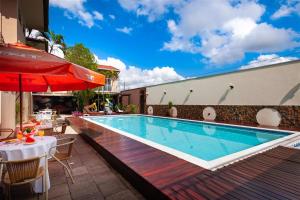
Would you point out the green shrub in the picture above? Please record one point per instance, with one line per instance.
(132, 108)
(120, 106)
(170, 104)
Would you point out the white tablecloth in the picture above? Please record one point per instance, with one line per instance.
(23, 151)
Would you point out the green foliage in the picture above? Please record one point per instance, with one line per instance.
(109, 74)
(132, 108)
(170, 104)
(56, 39)
(81, 55)
(83, 98)
(28, 130)
(120, 106)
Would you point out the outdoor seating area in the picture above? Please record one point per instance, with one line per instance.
(93, 179)
(25, 154)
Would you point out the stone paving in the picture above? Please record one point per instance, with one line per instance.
(94, 179)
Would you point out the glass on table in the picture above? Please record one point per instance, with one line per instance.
(41, 133)
(20, 135)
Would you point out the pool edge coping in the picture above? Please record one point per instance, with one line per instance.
(210, 165)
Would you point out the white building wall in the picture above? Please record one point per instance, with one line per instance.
(12, 32)
(115, 86)
(274, 85)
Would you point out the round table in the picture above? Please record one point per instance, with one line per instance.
(21, 151)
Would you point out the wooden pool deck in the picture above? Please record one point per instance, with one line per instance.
(274, 174)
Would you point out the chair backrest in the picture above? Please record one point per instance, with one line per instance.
(71, 143)
(65, 147)
(63, 128)
(22, 170)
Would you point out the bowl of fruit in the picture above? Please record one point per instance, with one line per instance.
(29, 133)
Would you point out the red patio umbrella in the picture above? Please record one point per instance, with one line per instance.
(26, 69)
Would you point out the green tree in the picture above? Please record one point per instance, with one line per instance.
(81, 55)
(56, 39)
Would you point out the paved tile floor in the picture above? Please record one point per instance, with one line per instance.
(94, 179)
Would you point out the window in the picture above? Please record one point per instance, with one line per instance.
(108, 84)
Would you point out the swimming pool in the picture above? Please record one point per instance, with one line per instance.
(208, 145)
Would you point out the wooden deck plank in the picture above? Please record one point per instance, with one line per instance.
(268, 163)
(266, 184)
(273, 175)
(237, 186)
(281, 181)
(250, 186)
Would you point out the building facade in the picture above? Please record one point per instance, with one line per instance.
(16, 17)
(236, 97)
(134, 96)
(111, 81)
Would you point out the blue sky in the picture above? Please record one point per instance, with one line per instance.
(175, 39)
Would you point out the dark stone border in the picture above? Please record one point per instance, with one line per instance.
(233, 114)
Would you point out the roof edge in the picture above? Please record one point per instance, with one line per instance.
(229, 72)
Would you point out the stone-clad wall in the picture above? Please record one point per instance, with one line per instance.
(234, 114)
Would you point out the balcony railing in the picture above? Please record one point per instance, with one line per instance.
(107, 88)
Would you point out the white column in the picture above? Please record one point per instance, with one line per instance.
(8, 110)
(26, 102)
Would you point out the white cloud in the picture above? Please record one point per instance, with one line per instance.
(110, 61)
(68, 15)
(153, 9)
(285, 10)
(112, 17)
(267, 59)
(136, 77)
(126, 30)
(98, 16)
(74, 9)
(224, 30)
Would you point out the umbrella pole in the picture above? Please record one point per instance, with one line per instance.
(21, 101)
(98, 99)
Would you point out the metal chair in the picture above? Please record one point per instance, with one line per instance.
(63, 152)
(62, 131)
(22, 172)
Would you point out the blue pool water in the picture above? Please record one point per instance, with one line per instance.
(202, 140)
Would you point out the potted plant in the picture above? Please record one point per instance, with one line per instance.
(172, 111)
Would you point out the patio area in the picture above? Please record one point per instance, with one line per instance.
(94, 178)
